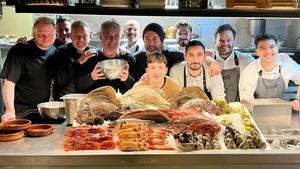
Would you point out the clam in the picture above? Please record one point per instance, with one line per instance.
(230, 144)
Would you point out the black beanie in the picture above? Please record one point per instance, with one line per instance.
(155, 28)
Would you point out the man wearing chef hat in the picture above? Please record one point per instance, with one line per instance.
(268, 76)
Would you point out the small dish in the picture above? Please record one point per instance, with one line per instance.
(39, 130)
(16, 125)
(10, 135)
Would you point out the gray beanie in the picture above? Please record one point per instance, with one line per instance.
(155, 28)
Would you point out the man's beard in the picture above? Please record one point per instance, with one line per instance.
(224, 52)
(156, 49)
(195, 68)
(183, 43)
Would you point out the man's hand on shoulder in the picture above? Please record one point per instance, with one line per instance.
(214, 68)
(22, 40)
(86, 55)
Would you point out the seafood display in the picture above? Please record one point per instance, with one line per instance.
(142, 120)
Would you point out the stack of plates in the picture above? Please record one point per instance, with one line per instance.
(152, 3)
(117, 3)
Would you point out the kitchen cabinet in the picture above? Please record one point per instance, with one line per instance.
(97, 10)
(47, 152)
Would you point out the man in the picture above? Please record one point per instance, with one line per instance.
(132, 32)
(153, 36)
(69, 58)
(183, 35)
(231, 62)
(91, 76)
(63, 28)
(26, 73)
(194, 72)
(268, 76)
(157, 70)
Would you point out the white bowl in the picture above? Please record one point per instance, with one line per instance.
(112, 67)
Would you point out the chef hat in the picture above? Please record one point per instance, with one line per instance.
(157, 29)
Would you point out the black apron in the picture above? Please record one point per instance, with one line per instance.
(204, 82)
(231, 81)
(267, 88)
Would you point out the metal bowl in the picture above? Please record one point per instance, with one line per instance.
(52, 112)
(112, 67)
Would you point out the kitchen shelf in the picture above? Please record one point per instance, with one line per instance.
(97, 10)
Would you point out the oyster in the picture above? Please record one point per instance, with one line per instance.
(230, 144)
(216, 145)
(185, 141)
(199, 144)
(208, 146)
(238, 139)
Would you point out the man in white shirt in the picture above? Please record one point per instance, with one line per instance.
(231, 62)
(132, 32)
(268, 76)
(194, 72)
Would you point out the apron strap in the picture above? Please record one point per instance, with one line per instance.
(184, 76)
(204, 80)
(236, 60)
(137, 48)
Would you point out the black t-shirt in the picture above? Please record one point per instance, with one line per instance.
(27, 66)
(66, 67)
(58, 43)
(84, 82)
(173, 57)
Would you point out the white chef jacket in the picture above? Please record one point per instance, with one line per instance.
(214, 84)
(290, 70)
(244, 60)
(138, 46)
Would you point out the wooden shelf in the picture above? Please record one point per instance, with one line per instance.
(96, 10)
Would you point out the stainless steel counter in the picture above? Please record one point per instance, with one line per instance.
(47, 152)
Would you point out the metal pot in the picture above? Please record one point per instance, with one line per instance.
(72, 102)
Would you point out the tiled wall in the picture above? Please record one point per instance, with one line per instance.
(205, 27)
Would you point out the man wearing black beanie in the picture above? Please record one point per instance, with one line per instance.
(153, 36)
